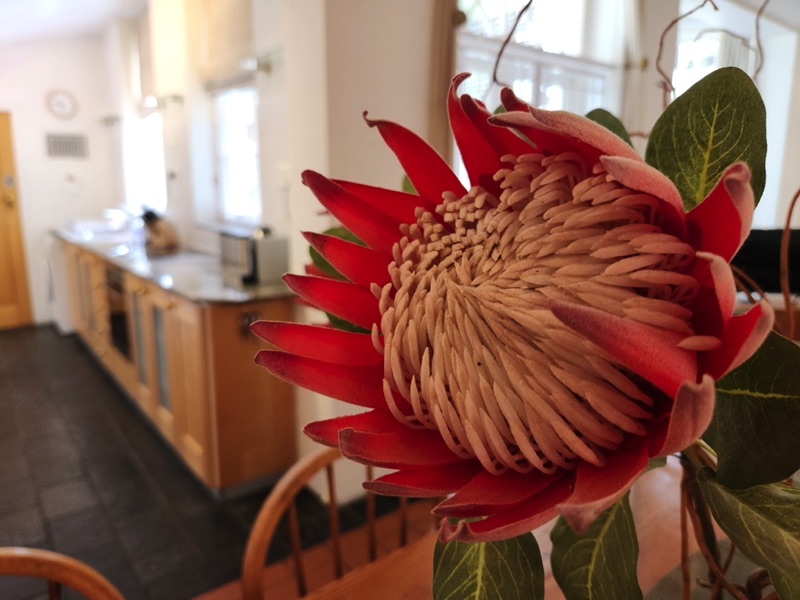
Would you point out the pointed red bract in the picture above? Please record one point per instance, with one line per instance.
(376, 229)
(652, 353)
(374, 421)
(352, 384)
(518, 520)
(742, 336)
(597, 488)
(722, 221)
(351, 302)
(690, 417)
(320, 343)
(429, 173)
(490, 493)
(397, 205)
(432, 482)
(480, 158)
(397, 450)
(360, 265)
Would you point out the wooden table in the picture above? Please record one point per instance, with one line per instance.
(405, 574)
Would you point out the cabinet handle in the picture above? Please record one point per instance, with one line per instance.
(245, 320)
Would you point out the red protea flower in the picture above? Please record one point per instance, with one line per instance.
(536, 339)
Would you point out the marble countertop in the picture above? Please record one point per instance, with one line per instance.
(193, 275)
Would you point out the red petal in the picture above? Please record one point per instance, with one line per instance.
(426, 483)
(597, 488)
(428, 172)
(320, 343)
(511, 103)
(314, 271)
(641, 177)
(351, 302)
(645, 350)
(559, 131)
(503, 140)
(584, 131)
(487, 494)
(375, 421)
(398, 205)
(360, 265)
(405, 449)
(713, 304)
(480, 159)
(741, 338)
(691, 415)
(361, 386)
(721, 222)
(376, 229)
(522, 518)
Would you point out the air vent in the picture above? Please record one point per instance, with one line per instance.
(60, 145)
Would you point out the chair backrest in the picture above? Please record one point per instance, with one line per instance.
(59, 571)
(281, 501)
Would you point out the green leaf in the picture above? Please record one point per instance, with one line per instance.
(756, 424)
(764, 523)
(407, 186)
(601, 562)
(719, 120)
(610, 122)
(511, 570)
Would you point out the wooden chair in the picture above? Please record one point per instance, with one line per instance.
(282, 501)
(59, 571)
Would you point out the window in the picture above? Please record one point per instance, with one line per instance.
(237, 155)
(145, 172)
(549, 61)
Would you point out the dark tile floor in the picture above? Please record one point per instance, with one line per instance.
(81, 472)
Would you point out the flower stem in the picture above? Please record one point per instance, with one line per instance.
(692, 459)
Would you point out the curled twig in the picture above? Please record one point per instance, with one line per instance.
(506, 42)
(712, 563)
(759, 47)
(758, 581)
(785, 282)
(666, 80)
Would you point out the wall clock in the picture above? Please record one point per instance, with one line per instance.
(61, 104)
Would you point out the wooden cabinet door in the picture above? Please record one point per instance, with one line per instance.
(139, 305)
(159, 306)
(72, 260)
(189, 387)
(91, 314)
(178, 377)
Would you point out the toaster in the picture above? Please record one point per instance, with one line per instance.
(253, 256)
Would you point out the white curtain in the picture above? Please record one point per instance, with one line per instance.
(446, 17)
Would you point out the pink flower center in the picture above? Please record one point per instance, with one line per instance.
(470, 343)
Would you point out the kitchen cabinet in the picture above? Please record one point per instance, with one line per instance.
(189, 366)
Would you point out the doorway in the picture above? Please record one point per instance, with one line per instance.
(15, 308)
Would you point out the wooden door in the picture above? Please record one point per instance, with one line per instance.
(15, 308)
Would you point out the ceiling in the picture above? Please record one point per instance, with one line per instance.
(22, 20)
(785, 12)
(31, 19)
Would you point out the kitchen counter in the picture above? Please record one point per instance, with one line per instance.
(176, 337)
(195, 276)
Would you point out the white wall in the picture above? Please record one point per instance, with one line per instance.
(54, 190)
(365, 55)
